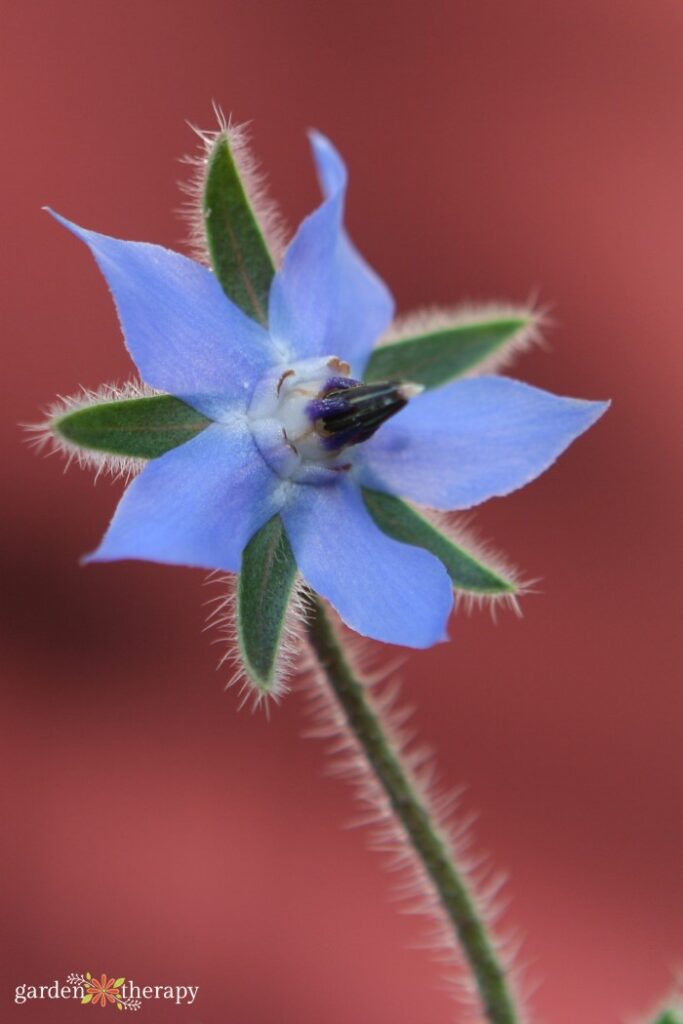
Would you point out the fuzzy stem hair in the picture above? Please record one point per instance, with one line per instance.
(399, 786)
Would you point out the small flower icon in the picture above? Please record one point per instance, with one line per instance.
(106, 990)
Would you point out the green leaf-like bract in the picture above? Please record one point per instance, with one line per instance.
(245, 268)
(265, 586)
(403, 523)
(435, 358)
(139, 428)
(238, 250)
(669, 1017)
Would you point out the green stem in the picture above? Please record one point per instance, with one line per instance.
(421, 831)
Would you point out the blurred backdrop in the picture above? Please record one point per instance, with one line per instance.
(152, 830)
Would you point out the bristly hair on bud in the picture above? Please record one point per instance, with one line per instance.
(266, 210)
(223, 618)
(536, 320)
(45, 436)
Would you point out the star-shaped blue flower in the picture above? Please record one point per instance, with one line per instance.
(293, 432)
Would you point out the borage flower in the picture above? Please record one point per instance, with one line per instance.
(286, 440)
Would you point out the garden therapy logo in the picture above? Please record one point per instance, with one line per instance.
(106, 990)
(122, 993)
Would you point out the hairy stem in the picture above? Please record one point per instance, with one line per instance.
(421, 831)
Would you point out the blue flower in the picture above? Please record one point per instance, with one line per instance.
(295, 432)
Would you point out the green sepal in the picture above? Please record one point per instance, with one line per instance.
(238, 249)
(264, 588)
(669, 1017)
(245, 268)
(435, 358)
(403, 523)
(138, 428)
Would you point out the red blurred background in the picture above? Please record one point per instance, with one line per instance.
(153, 831)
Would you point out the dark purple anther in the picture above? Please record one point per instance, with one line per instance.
(348, 411)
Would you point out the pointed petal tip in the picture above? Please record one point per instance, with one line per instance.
(330, 166)
(320, 141)
(100, 554)
(595, 410)
(75, 229)
(441, 634)
(56, 216)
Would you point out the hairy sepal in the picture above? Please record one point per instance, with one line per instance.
(116, 429)
(243, 249)
(235, 228)
(467, 567)
(239, 254)
(435, 347)
(264, 590)
(131, 428)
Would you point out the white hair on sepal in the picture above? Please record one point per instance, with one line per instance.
(458, 528)
(434, 319)
(414, 888)
(223, 619)
(266, 210)
(45, 438)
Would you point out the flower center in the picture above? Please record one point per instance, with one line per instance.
(306, 418)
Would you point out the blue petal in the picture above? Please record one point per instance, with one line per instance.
(472, 440)
(197, 505)
(383, 589)
(364, 306)
(325, 299)
(184, 334)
